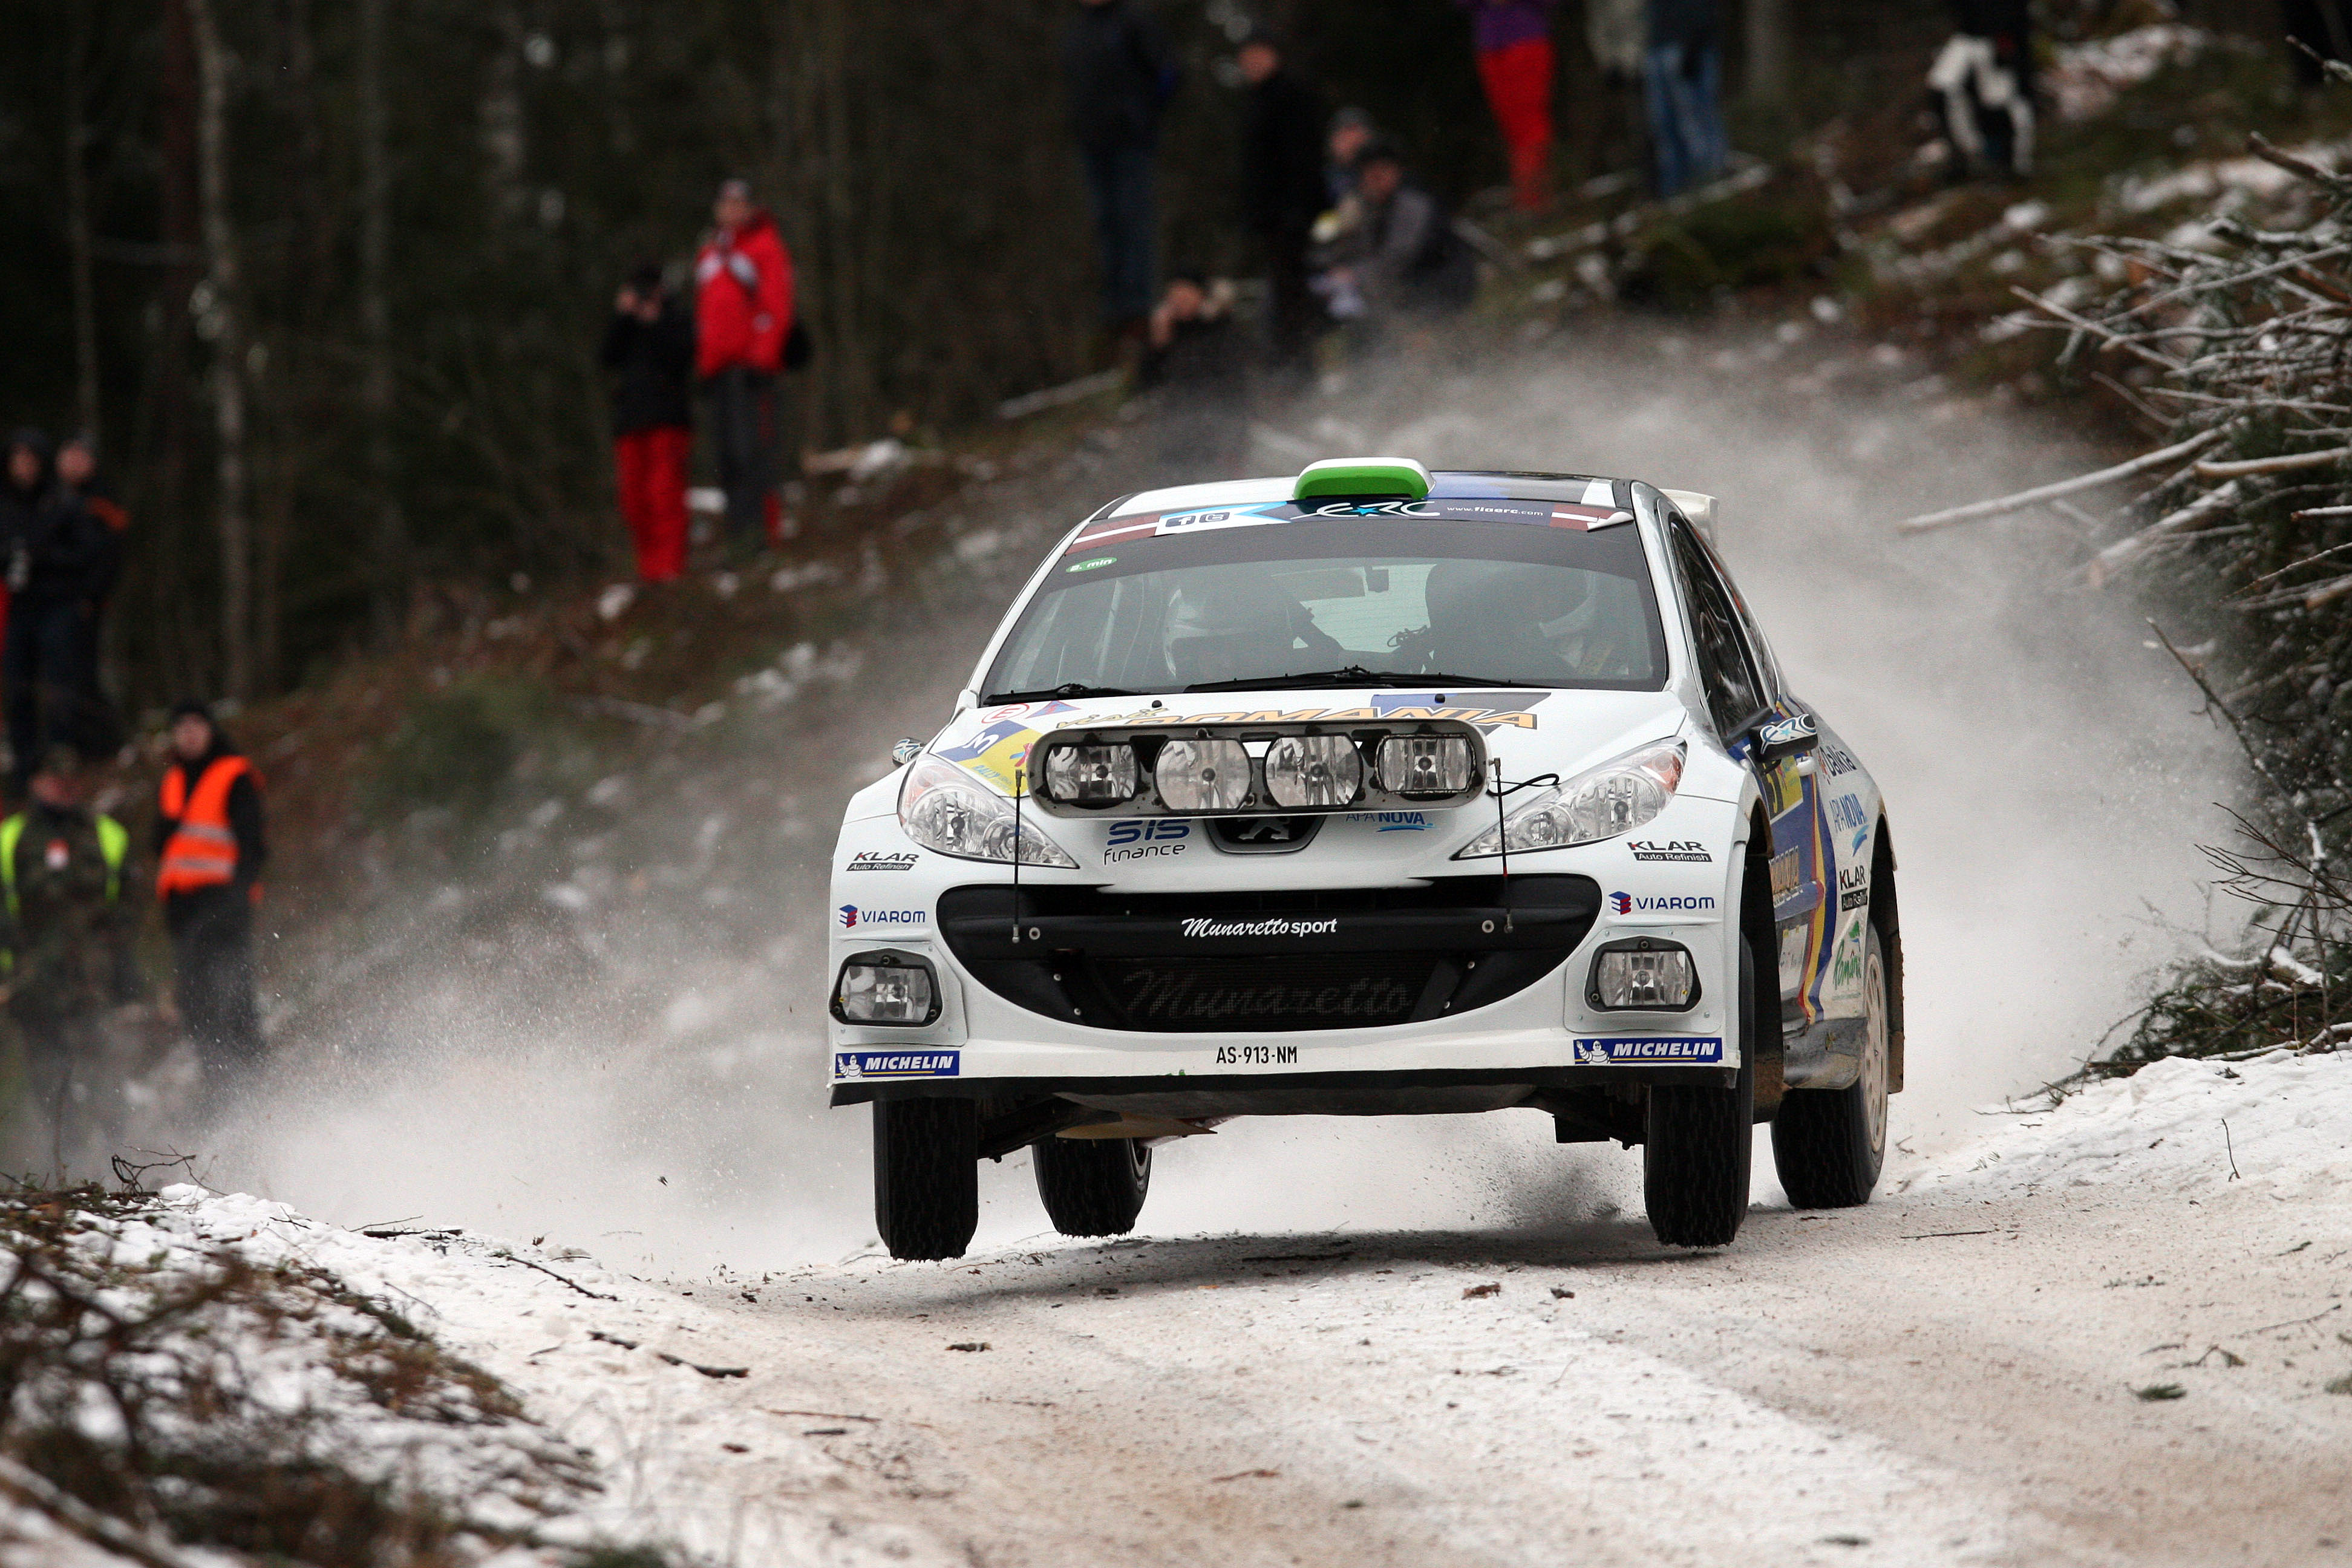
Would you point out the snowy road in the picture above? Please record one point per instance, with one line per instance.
(1946, 1376)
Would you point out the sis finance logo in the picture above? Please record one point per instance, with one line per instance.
(853, 918)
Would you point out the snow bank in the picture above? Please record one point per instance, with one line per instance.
(2086, 79)
(2281, 1123)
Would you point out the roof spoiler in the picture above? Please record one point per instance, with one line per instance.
(1699, 509)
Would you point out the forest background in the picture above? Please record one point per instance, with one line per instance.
(327, 276)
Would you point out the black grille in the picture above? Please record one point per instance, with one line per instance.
(1284, 990)
(1350, 958)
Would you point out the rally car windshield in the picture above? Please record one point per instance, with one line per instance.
(1359, 601)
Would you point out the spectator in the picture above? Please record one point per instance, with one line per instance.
(1983, 81)
(1514, 61)
(68, 942)
(743, 315)
(59, 564)
(209, 851)
(1352, 130)
(1120, 79)
(1194, 363)
(78, 471)
(1403, 259)
(1682, 77)
(649, 344)
(1283, 192)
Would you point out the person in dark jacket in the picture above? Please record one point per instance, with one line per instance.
(1283, 191)
(1195, 366)
(209, 851)
(65, 945)
(1401, 259)
(1120, 79)
(649, 347)
(78, 471)
(59, 563)
(1682, 79)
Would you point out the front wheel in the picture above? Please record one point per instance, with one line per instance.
(926, 1175)
(1831, 1144)
(1697, 1143)
(1093, 1186)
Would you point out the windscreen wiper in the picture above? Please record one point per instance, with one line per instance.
(1357, 674)
(1067, 692)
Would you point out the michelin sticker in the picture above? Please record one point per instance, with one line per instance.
(897, 1064)
(1650, 1051)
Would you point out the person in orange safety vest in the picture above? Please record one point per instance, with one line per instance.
(209, 851)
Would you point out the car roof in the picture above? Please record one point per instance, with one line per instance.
(1445, 484)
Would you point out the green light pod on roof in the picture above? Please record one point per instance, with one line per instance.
(1337, 476)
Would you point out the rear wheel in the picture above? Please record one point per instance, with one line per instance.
(926, 1175)
(1698, 1140)
(1093, 1186)
(1830, 1143)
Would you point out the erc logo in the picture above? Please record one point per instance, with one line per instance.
(852, 917)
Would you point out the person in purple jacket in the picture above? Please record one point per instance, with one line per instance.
(1514, 61)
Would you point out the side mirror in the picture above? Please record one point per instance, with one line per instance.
(906, 750)
(1783, 738)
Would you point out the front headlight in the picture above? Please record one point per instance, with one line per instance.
(945, 809)
(1616, 797)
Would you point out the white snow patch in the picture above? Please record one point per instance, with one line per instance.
(2288, 1121)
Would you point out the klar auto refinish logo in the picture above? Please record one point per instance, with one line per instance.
(852, 917)
(1627, 904)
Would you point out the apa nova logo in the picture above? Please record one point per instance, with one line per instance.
(1673, 903)
(1277, 926)
(852, 917)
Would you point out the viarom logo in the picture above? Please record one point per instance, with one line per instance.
(1672, 903)
(852, 917)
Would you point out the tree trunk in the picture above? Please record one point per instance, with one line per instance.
(85, 304)
(390, 524)
(1768, 51)
(220, 320)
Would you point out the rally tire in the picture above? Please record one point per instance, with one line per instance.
(1093, 1186)
(1697, 1143)
(1830, 1145)
(925, 1176)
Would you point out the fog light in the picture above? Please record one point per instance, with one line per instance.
(1090, 775)
(1202, 776)
(892, 988)
(1314, 770)
(1425, 765)
(1645, 976)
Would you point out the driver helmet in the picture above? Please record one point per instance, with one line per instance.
(1224, 628)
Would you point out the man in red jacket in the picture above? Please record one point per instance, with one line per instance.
(743, 314)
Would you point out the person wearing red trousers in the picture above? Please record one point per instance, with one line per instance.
(1514, 61)
(743, 319)
(649, 347)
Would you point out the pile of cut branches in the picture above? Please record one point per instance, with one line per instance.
(158, 1392)
(2241, 531)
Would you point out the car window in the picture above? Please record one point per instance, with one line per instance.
(1506, 603)
(1734, 689)
(1766, 665)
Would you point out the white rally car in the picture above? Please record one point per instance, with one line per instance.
(1370, 792)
